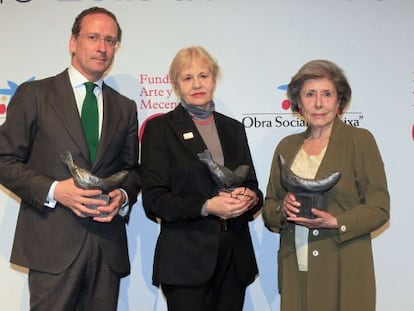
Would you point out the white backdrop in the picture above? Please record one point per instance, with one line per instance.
(259, 44)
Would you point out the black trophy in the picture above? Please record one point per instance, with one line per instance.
(225, 178)
(85, 180)
(309, 192)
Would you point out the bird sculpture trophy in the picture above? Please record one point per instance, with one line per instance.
(309, 192)
(85, 180)
(225, 178)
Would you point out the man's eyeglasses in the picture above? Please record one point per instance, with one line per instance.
(94, 38)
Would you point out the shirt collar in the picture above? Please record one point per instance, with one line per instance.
(77, 79)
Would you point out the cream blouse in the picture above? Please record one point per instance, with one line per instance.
(305, 166)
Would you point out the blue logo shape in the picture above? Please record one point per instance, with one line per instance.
(282, 87)
(12, 87)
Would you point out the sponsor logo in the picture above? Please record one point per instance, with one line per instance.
(284, 118)
(156, 92)
(6, 94)
(155, 97)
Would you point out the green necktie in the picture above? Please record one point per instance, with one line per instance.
(90, 121)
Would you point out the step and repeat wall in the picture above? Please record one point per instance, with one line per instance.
(259, 45)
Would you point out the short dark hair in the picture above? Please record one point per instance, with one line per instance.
(319, 69)
(94, 10)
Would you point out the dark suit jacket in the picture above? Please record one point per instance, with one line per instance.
(175, 186)
(43, 122)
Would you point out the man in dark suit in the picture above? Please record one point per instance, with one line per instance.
(75, 261)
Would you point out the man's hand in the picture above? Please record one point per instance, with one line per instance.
(76, 199)
(112, 209)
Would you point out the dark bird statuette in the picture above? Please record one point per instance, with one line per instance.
(224, 177)
(86, 180)
(309, 192)
(294, 183)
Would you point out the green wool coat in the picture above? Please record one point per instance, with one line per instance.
(340, 262)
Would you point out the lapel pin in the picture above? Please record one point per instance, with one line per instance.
(188, 135)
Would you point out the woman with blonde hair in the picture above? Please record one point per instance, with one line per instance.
(204, 258)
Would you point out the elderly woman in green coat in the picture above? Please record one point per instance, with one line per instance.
(325, 260)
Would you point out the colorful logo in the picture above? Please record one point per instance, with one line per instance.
(286, 102)
(6, 94)
(283, 117)
(280, 118)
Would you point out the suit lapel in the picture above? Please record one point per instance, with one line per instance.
(110, 121)
(64, 105)
(186, 132)
(329, 161)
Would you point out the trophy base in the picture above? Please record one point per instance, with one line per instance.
(309, 201)
(103, 197)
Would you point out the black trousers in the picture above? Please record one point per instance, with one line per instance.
(88, 284)
(224, 292)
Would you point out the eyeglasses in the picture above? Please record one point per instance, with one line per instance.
(94, 38)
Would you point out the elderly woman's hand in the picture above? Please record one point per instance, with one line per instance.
(323, 220)
(290, 207)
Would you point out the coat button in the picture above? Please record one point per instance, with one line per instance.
(315, 253)
(343, 228)
(315, 232)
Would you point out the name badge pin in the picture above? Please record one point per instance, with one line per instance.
(188, 135)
